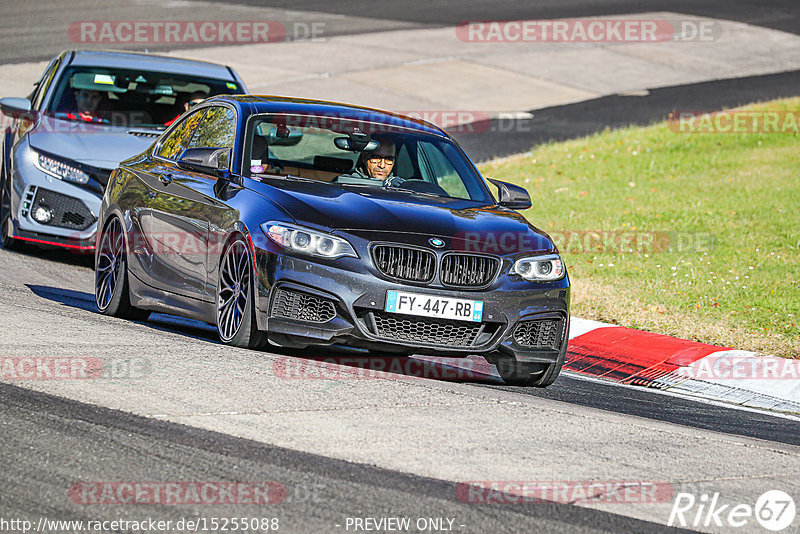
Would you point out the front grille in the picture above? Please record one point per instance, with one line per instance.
(468, 270)
(539, 333)
(405, 263)
(440, 332)
(68, 212)
(297, 305)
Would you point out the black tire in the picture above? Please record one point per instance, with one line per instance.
(111, 290)
(235, 309)
(516, 373)
(6, 225)
(553, 370)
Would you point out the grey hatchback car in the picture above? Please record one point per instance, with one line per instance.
(89, 111)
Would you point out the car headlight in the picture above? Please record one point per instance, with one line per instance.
(303, 240)
(539, 268)
(59, 169)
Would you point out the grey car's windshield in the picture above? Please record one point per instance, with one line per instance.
(131, 98)
(360, 154)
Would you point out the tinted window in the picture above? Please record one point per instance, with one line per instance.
(138, 98)
(217, 129)
(178, 140)
(345, 152)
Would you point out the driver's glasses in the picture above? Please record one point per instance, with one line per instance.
(388, 160)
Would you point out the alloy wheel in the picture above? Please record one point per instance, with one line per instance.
(233, 290)
(109, 260)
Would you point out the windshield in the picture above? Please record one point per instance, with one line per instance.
(128, 98)
(360, 154)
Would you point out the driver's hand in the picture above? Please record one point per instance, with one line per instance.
(393, 181)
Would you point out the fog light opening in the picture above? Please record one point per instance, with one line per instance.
(42, 214)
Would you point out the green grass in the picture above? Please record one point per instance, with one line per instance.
(730, 204)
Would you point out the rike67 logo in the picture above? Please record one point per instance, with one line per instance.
(774, 510)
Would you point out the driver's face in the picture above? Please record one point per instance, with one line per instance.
(87, 100)
(381, 162)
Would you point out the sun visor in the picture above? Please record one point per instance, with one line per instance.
(95, 82)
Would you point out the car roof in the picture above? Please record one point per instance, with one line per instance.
(304, 106)
(137, 60)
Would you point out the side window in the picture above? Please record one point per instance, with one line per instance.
(436, 168)
(41, 86)
(178, 140)
(217, 129)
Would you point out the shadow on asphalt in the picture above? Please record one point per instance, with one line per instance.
(503, 137)
(59, 255)
(323, 363)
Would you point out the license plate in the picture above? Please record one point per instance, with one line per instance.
(434, 306)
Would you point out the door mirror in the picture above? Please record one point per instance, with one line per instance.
(213, 161)
(17, 108)
(512, 196)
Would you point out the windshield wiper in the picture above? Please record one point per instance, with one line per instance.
(290, 177)
(405, 189)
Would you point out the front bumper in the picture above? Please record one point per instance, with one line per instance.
(358, 299)
(75, 208)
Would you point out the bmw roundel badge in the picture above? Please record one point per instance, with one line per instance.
(436, 242)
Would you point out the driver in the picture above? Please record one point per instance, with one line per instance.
(86, 102)
(378, 164)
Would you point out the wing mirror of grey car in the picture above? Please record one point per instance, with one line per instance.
(512, 196)
(17, 108)
(211, 160)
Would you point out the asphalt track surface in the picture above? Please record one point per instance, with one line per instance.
(776, 14)
(47, 442)
(570, 388)
(37, 29)
(102, 445)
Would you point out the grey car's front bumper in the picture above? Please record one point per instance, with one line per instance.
(71, 203)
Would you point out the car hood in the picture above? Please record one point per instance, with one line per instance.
(376, 213)
(96, 145)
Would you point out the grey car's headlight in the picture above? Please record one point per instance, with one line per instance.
(539, 268)
(307, 241)
(59, 169)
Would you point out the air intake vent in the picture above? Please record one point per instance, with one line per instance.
(68, 212)
(539, 333)
(410, 329)
(144, 133)
(404, 263)
(468, 270)
(302, 306)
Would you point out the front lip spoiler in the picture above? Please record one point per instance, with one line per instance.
(55, 241)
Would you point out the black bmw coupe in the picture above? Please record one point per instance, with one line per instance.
(301, 223)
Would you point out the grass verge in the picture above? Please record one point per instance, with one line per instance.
(695, 235)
